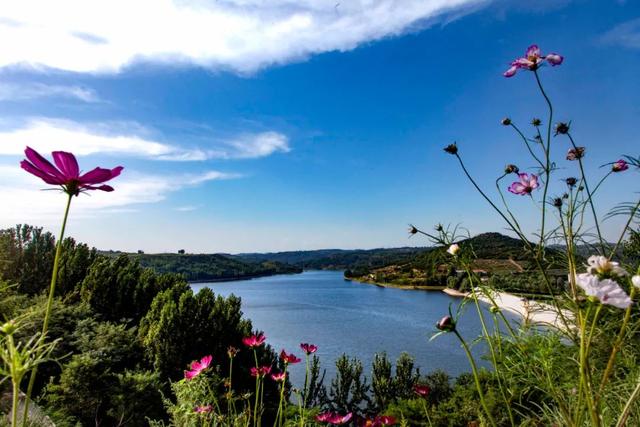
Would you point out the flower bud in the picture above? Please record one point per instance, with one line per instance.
(557, 202)
(636, 281)
(575, 153)
(494, 309)
(511, 169)
(562, 128)
(9, 328)
(451, 149)
(571, 182)
(446, 324)
(536, 122)
(439, 227)
(413, 229)
(454, 249)
(619, 166)
(232, 351)
(506, 121)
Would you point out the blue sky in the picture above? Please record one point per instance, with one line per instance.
(302, 125)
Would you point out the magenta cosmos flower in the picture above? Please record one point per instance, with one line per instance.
(261, 371)
(203, 409)
(197, 367)
(289, 358)
(525, 185)
(619, 166)
(333, 418)
(66, 172)
(254, 340)
(532, 60)
(308, 348)
(421, 390)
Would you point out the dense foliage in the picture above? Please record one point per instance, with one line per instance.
(211, 267)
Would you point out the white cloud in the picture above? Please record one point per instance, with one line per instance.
(23, 198)
(244, 35)
(29, 91)
(188, 208)
(626, 34)
(48, 135)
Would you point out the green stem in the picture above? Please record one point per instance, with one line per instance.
(426, 412)
(14, 406)
(47, 313)
(622, 421)
(624, 230)
(255, 403)
(589, 195)
(476, 378)
(526, 142)
(615, 348)
(547, 151)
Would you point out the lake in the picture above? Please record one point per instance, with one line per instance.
(341, 316)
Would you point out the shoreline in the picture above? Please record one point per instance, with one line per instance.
(394, 286)
(531, 311)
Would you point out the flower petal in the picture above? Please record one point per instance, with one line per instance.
(533, 50)
(67, 164)
(510, 72)
(554, 59)
(40, 173)
(43, 164)
(98, 175)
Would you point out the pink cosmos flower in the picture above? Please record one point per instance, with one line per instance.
(532, 60)
(333, 418)
(526, 184)
(421, 390)
(197, 367)
(254, 340)
(289, 358)
(203, 409)
(619, 166)
(261, 371)
(279, 376)
(67, 173)
(308, 348)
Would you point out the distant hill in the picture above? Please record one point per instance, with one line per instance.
(209, 267)
(337, 259)
(494, 253)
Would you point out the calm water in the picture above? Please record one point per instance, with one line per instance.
(339, 316)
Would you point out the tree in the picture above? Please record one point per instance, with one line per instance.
(181, 252)
(120, 289)
(182, 326)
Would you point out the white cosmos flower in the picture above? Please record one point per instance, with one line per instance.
(606, 291)
(454, 249)
(636, 281)
(599, 264)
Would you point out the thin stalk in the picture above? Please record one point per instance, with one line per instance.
(482, 193)
(526, 142)
(426, 412)
(14, 405)
(615, 348)
(624, 230)
(590, 199)
(255, 403)
(476, 378)
(622, 421)
(47, 313)
(547, 150)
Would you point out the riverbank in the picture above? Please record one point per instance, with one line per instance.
(395, 286)
(531, 311)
